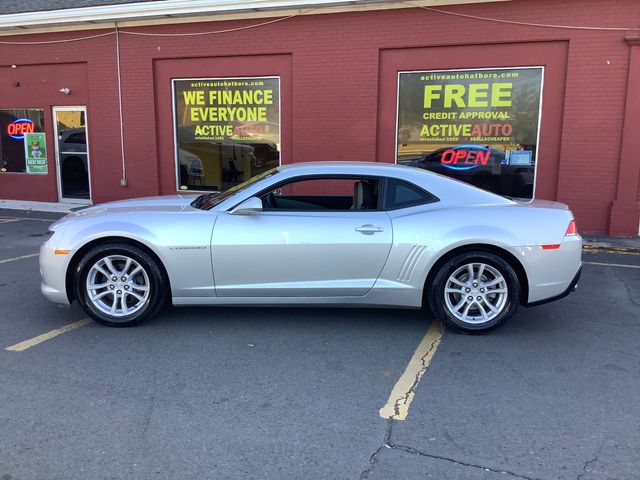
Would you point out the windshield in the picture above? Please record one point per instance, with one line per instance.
(210, 200)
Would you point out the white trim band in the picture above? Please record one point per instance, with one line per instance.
(185, 8)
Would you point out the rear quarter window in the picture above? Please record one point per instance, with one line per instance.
(401, 194)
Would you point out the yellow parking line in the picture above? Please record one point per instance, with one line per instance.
(7, 260)
(15, 219)
(18, 347)
(397, 406)
(622, 265)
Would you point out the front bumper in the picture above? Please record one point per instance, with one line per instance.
(53, 269)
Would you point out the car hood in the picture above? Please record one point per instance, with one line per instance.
(144, 205)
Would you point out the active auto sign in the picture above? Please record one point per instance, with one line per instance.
(228, 110)
(472, 125)
(489, 107)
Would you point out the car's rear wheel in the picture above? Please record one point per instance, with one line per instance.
(119, 284)
(474, 292)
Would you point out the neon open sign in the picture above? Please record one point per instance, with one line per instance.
(465, 157)
(19, 127)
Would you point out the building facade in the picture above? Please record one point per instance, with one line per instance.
(530, 98)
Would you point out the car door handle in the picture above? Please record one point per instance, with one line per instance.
(369, 229)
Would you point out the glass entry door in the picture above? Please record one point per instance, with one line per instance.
(72, 154)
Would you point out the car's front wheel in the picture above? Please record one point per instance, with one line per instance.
(474, 292)
(118, 284)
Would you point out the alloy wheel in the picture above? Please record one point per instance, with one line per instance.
(476, 293)
(118, 286)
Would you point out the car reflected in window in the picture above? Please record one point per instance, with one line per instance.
(482, 167)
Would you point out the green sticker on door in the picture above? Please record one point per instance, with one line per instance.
(35, 152)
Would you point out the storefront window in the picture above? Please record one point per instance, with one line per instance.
(479, 126)
(14, 124)
(227, 130)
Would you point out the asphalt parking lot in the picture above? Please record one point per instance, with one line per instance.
(251, 393)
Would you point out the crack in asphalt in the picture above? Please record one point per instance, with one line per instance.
(628, 288)
(402, 400)
(587, 463)
(458, 462)
(388, 444)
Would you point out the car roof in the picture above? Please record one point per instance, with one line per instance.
(453, 191)
(450, 192)
(338, 166)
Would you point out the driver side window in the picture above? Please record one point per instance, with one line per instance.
(324, 194)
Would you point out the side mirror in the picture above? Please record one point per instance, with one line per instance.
(249, 206)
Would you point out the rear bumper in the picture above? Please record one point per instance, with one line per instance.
(550, 271)
(571, 288)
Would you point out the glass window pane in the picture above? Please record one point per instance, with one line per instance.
(72, 146)
(14, 123)
(479, 126)
(400, 194)
(324, 194)
(227, 130)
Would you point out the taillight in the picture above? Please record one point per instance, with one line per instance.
(571, 229)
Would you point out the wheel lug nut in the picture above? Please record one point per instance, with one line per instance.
(467, 290)
(119, 292)
(112, 287)
(482, 290)
(479, 298)
(475, 285)
(114, 278)
(126, 287)
(469, 298)
(124, 279)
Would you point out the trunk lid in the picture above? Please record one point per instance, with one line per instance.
(541, 204)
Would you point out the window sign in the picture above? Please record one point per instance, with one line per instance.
(227, 130)
(35, 152)
(19, 127)
(520, 157)
(479, 126)
(15, 125)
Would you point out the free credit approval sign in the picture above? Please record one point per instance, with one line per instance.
(480, 106)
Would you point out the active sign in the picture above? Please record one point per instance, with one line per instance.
(228, 109)
(499, 108)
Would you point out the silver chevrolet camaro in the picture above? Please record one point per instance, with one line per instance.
(325, 233)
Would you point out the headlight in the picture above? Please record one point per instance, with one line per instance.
(47, 237)
(55, 233)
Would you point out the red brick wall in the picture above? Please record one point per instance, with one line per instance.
(36, 84)
(332, 73)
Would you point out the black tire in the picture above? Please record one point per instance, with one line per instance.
(436, 293)
(157, 294)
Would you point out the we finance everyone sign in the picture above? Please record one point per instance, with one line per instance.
(228, 110)
(493, 108)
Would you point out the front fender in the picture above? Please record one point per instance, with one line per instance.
(181, 243)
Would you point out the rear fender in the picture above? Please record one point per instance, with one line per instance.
(496, 239)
